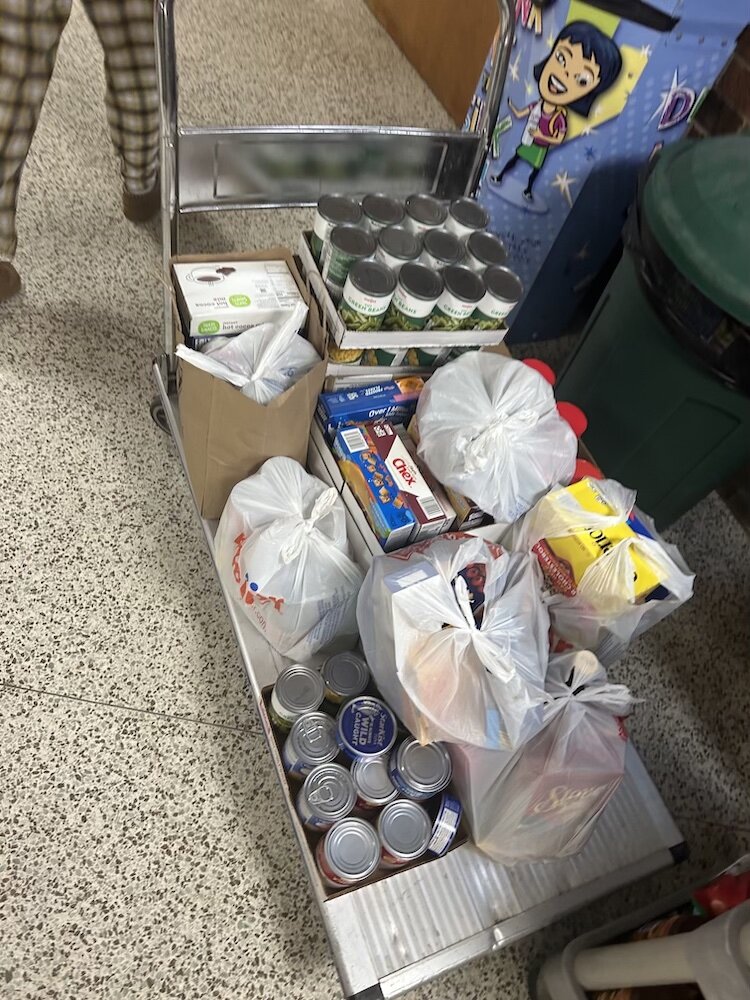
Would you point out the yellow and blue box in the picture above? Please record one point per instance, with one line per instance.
(393, 399)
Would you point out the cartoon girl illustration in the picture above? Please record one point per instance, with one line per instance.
(582, 63)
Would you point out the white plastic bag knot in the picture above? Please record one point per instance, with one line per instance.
(479, 450)
(325, 503)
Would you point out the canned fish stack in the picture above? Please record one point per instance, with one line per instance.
(423, 264)
(376, 800)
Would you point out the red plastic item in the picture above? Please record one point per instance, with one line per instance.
(585, 468)
(724, 893)
(575, 416)
(544, 369)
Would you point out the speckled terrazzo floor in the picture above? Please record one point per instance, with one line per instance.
(145, 851)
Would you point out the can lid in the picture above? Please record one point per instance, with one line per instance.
(464, 283)
(372, 780)
(313, 736)
(469, 213)
(339, 209)
(426, 209)
(426, 768)
(503, 284)
(445, 246)
(353, 241)
(366, 727)
(346, 674)
(404, 829)
(399, 242)
(329, 791)
(352, 848)
(421, 281)
(299, 689)
(487, 248)
(372, 277)
(383, 209)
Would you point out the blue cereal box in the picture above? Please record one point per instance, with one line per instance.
(394, 400)
(368, 477)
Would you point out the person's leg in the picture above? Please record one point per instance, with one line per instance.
(126, 31)
(532, 177)
(511, 163)
(29, 35)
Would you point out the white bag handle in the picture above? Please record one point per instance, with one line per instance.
(325, 503)
(479, 449)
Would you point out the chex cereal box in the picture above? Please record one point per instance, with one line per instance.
(393, 400)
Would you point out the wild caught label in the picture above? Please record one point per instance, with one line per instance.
(332, 210)
(366, 728)
(367, 294)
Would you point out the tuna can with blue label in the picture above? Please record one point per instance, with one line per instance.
(373, 784)
(445, 813)
(326, 797)
(418, 771)
(366, 728)
(312, 741)
(405, 830)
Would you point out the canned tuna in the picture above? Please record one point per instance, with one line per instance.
(312, 741)
(420, 771)
(345, 675)
(404, 829)
(366, 727)
(445, 813)
(373, 784)
(326, 796)
(298, 690)
(349, 853)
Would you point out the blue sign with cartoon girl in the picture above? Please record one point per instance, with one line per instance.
(582, 63)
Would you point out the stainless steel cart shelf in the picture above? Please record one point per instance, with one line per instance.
(396, 934)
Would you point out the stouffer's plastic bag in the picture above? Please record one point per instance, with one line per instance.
(489, 428)
(609, 575)
(282, 553)
(543, 801)
(456, 637)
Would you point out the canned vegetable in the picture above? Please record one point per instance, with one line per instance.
(463, 291)
(297, 690)
(326, 796)
(416, 294)
(404, 829)
(504, 290)
(312, 741)
(373, 784)
(445, 813)
(380, 210)
(424, 212)
(345, 675)
(397, 246)
(385, 357)
(440, 249)
(366, 727)
(465, 217)
(348, 854)
(346, 245)
(367, 294)
(420, 771)
(332, 210)
(344, 355)
(484, 250)
(426, 357)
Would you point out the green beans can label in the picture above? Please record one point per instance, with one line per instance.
(407, 312)
(360, 310)
(319, 236)
(450, 313)
(335, 270)
(490, 313)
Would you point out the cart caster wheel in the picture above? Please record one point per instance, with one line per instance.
(158, 415)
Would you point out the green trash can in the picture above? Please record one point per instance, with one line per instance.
(662, 368)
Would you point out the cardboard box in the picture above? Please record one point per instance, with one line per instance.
(393, 399)
(227, 436)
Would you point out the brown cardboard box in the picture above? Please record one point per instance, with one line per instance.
(227, 436)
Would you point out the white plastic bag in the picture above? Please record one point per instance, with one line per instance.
(282, 552)
(447, 676)
(489, 428)
(264, 361)
(542, 801)
(603, 612)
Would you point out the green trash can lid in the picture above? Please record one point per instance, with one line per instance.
(696, 204)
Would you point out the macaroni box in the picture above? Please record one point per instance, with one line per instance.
(393, 400)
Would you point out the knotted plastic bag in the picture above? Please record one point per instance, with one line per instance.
(282, 553)
(489, 428)
(456, 637)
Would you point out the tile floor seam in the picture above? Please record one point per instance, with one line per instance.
(122, 706)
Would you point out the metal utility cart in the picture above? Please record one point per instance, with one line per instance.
(394, 934)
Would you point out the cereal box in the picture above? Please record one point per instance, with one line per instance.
(393, 400)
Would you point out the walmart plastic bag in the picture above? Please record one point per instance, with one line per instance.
(609, 576)
(264, 361)
(543, 801)
(456, 637)
(282, 553)
(489, 428)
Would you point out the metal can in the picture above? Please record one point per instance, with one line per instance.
(385, 357)
(440, 249)
(418, 771)
(464, 289)
(298, 689)
(326, 796)
(396, 247)
(367, 294)
(332, 210)
(417, 292)
(312, 741)
(504, 291)
(345, 675)
(348, 854)
(445, 813)
(344, 355)
(380, 210)
(366, 727)
(426, 357)
(466, 216)
(404, 829)
(346, 245)
(484, 250)
(424, 212)
(373, 784)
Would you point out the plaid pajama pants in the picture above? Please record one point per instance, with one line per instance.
(30, 32)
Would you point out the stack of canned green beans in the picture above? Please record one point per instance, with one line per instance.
(377, 800)
(409, 266)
